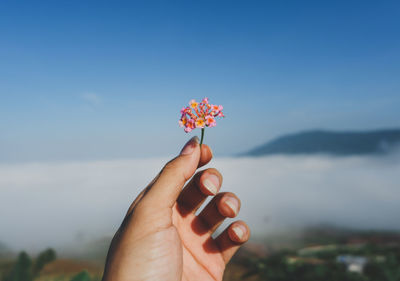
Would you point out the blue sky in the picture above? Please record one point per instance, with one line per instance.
(83, 80)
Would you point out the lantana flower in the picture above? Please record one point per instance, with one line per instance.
(200, 115)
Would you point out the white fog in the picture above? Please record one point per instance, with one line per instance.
(55, 204)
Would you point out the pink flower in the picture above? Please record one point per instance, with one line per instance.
(193, 104)
(200, 115)
(210, 121)
(200, 123)
(215, 107)
(183, 121)
(190, 125)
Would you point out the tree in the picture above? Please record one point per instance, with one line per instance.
(44, 257)
(25, 270)
(21, 270)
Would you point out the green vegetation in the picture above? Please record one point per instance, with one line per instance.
(82, 276)
(322, 265)
(320, 253)
(277, 268)
(45, 257)
(24, 269)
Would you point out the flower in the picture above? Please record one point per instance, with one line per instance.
(190, 125)
(183, 122)
(193, 104)
(210, 121)
(200, 115)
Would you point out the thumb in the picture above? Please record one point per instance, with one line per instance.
(173, 176)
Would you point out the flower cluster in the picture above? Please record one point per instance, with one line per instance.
(199, 115)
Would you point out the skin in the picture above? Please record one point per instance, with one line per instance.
(162, 238)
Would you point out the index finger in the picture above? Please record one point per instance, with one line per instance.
(205, 155)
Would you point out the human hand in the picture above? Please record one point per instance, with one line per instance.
(161, 238)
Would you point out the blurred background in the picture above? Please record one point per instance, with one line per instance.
(90, 99)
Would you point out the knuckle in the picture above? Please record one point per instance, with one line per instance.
(174, 170)
(170, 168)
(170, 165)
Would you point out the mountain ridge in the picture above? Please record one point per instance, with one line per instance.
(340, 143)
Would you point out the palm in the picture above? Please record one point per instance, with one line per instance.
(202, 257)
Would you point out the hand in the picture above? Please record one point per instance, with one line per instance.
(161, 238)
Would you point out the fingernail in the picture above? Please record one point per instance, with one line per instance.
(211, 183)
(190, 146)
(239, 231)
(233, 204)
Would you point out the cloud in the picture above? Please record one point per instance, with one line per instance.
(92, 98)
(54, 202)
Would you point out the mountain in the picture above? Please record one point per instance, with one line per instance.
(4, 250)
(330, 142)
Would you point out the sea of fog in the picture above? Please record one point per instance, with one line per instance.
(55, 204)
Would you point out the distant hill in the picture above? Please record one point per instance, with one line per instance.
(330, 142)
(4, 250)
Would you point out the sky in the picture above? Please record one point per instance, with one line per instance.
(100, 80)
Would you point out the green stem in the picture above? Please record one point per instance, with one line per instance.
(202, 136)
